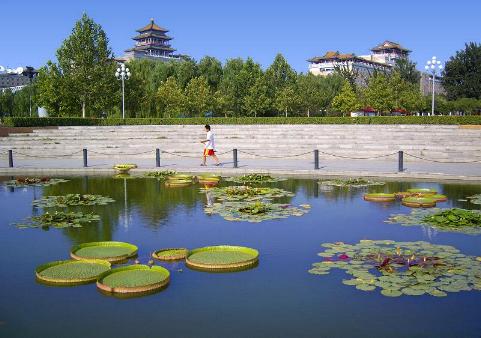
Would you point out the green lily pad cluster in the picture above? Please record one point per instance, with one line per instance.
(34, 181)
(350, 183)
(64, 201)
(254, 211)
(161, 175)
(60, 219)
(475, 199)
(247, 193)
(402, 268)
(452, 220)
(254, 179)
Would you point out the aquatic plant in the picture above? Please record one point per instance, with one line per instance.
(350, 183)
(426, 191)
(222, 258)
(178, 182)
(34, 181)
(71, 272)
(419, 202)
(110, 251)
(71, 200)
(246, 193)
(134, 279)
(170, 254)
(452, 220)
(125, 166)
(59, 219)
(475, 199)
(161, 175)
(254, 178)
(379, 197)
(401, 268)
(253, 212)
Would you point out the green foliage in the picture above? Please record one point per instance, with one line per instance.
(170, 254)
(161, 175)
(287, 100)
(71, 200)
(475, 199)
(215, 257)
(397, 268)
(134, 276)
(350, 183)
(407, 70)
(462, 73)
(246, 193)
(171, 101)
(34, 181)
(108, 250)
(72, 271)
(346, 101)
(257, 100)
(60, 219)
(254, 178)
(198, 96)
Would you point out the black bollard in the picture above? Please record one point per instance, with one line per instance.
(85, 158)
(10, 158)
(157, 158)
(316, 159)
(400, 161)
(234, 154)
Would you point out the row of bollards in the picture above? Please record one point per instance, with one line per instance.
(234, 158)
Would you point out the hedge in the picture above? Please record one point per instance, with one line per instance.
(76, 121)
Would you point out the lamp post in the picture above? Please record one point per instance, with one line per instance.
(122, 74)
(433, 66)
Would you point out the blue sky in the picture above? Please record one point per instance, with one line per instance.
(32, 30)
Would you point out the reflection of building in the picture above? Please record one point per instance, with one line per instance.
(382, 58)
(152, 43)
(16, 79)
(426, 85)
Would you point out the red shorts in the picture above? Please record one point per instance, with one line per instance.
(209, 152)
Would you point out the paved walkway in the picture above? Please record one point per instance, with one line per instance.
(387, 168)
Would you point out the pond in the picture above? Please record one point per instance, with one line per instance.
(276, 298)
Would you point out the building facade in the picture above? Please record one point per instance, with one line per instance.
(152, 43)
(426, 85)
(16, 79)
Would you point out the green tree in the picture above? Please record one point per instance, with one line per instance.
(279, 74)
(6, 102)
(185, 71)
(380, 94)
(170, 99)
(220, 104)
(287, 100)
(462, 73)
(346, 101)
(50, 92)
(211, 68)
(407, 70)
(198, 96)
(231, 86)
(257, 101)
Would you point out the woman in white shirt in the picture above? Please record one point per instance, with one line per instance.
(209, 147)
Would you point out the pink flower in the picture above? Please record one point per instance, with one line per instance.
(343, 256)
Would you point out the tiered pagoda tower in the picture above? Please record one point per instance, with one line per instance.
(151, 43)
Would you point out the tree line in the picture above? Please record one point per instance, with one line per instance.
(82, 83)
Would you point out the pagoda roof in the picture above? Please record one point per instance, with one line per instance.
(390, 45)
(148, 47)
(152, 34)
(336, 56)
(152, 26)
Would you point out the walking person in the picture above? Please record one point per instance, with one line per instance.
(209, 147)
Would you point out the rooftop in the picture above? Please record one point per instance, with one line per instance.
(390, 45)
(152, 26)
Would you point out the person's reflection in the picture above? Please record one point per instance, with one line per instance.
(209, 197)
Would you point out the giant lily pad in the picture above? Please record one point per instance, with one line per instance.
(34, 181)
(110, 251)
(253, 211)
(247, 193)
(59, 219)
(254, 179)
(452, 220)
(170, 254)
(401, 268)
(379, 197)
(350, 183)
(222, 258)
(71, 272)
(426, 191)
(72, 200)
(419, 202)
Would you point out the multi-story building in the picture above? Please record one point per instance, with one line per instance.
(152, 43)
(426, 85)
(17, 78)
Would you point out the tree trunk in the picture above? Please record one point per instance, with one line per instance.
(286, 112)
(308, 113)
(83, 109)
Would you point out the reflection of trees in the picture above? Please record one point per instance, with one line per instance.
(459, 191)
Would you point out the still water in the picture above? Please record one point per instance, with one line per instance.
(278, 298)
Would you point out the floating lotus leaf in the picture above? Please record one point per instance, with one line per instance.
(125, 166)
(452, 220)
(379, 197)
(161, 175)
(71, 200)
(402, 268)
(246, 193)
(253, 211)
(255, 178)
(170, 254)
(350, 183)
(439, 197)
(475, 199)
(426, 191)
(206, 178)
(134, 279)
(419, 202)
(71, 272)
(59, 219)
(222, 257)
(110, 251)
(173, 181)
(34, 181)
(180, 177)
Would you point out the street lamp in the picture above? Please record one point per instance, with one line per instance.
(122, 74)
(433, 66)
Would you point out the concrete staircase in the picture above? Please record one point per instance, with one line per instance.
(445, 143)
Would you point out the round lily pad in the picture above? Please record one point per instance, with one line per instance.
(403, 194)
(379, 197)
(71, 272)
(439, 197)
(178, 183)
(170, 254)
(180, 177)
(426, 191)
(110, 251)
(134, 279)
(222, 258)
(419, 202)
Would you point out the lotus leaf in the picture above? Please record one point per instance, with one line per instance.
(379, 197)
(426, 191)
(170, 254)
(161, 175)
(71, 200)
(419, 202)
(453, 220)
(350, 183)
(59, 219)
(254, 178)
(253, 212)
(34, 181)
(401, 267)
(108, 250)
(246, 193)
(72, 272)
(125, 166)
(134, 276)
